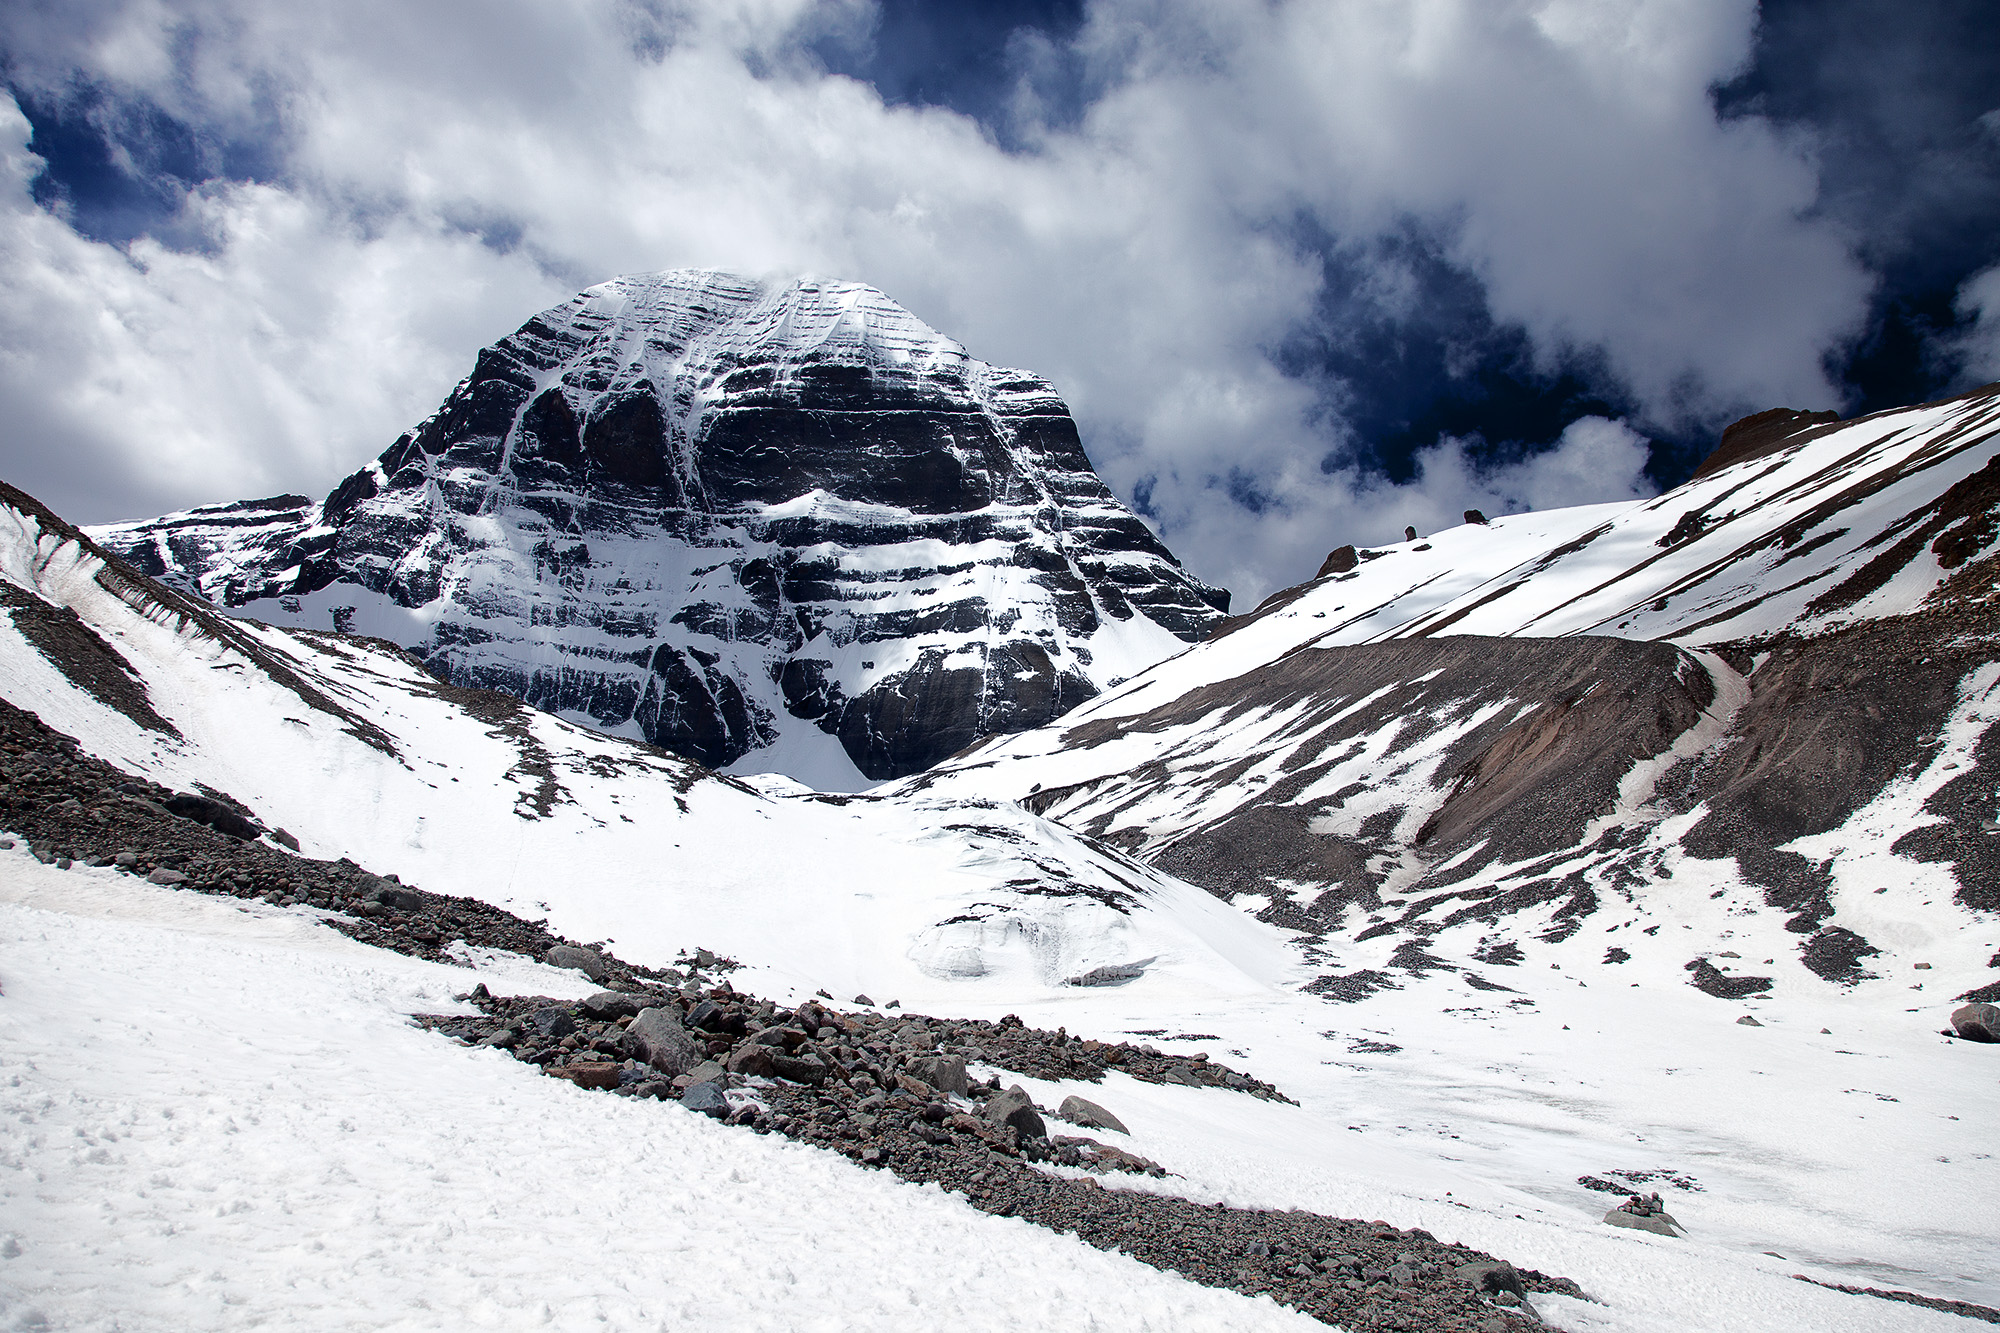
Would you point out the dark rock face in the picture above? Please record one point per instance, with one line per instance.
(722, 516)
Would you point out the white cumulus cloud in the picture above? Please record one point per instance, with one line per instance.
(442, 171)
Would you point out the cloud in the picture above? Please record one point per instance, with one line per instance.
(444, 171)
(1979, 343)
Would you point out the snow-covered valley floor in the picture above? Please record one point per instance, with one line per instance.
(216, 1116)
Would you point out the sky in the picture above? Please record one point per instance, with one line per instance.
(1305, 272)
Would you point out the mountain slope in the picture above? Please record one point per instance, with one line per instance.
(1825, 525)
(1364, 762)
(726, 517)
(351, 746)
(1472, 1106)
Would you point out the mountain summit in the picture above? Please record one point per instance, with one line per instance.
(777, 526)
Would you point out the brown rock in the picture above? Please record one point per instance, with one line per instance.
(600, 1074)
(752, 1058)
(1977, 1022)
(1341, 560)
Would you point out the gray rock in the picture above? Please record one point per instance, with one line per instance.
(167, 877)
(126, 859)
(608, 1006)
(1015, 1109)
(1977, 1022)
(220, 817)
(706, 1098)
(582, 960)
(946, 1073)
(1660, 1224)
(1079, 1111)
(1644, 1213)
(662, 1042)
(398, 897)
(1749, 1021)
(551, 1022)
(1492, 1279)
(863, 999)
(799, 1068)
(284, 839)
(1112, 974)
(708, 1071)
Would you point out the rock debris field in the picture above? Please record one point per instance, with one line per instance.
(926, 1098)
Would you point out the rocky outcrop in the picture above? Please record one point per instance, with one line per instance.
(726, 516)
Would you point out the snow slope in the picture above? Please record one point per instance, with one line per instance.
(1844, 523)
(217, 1118)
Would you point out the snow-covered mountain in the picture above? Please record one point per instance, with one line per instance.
(780, 527)
(356, 750)
(1475, 1099)
(1736, 735)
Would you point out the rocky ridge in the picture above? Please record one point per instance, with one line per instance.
(734, 519)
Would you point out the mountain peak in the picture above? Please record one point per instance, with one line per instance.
(763, 524)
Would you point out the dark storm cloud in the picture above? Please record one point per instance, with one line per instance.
(1306, 272)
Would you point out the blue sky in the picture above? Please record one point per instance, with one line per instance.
(1306, 272)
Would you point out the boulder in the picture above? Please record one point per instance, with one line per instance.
(1111, 974)
(1474, 516)
(203, 810)
(1015, 1109)
(1339, 561)
(579, 959)
(706, 1098)
(1079, 1111)
(708, 1071)
(167, 877)
(946, 1073)
(1644, 1213)
(662, 1042)
(398, 897)
(752, 1059)
(799, 1068)
(1494, 1278)
(1977, 1022)
(608, 1006)
(587, 1074)
(551, 1022)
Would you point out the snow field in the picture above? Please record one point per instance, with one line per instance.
(1478, 1129)
(217, 1118)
